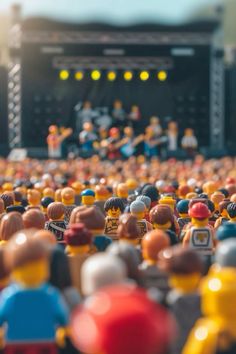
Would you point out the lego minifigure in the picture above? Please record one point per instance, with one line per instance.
(118, 113)
(130, 323)
(101, 270)
(189, 142)
(56, 223)
(85, 115)
(33, 219)
(129, 142)
(88, 197)
(152, 243)
(200, 236)
(94, 220)
(184, 267)
(215, 332)
(78, 240)
(217, 197)
(151, 192)
(224, 217)
(128, 229)
(162, 218)
(87, 138)
(172, 134)
(10, 224)
(231, 210)
(138, 209)
(101, 195)
(34, 199)
(78, 188)
(31, 311)
(135, 115)
(54, 141)
(58, 195)
(113, 151)
(114, 207)
(182, 209)
(68, 199)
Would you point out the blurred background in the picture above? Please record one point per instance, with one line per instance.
(191, 42)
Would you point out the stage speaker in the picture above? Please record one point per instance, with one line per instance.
(3, 112)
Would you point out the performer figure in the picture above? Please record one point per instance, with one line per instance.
(118, 113)
(55, 139)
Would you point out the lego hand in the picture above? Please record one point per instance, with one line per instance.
(2, 341)
(61, 334)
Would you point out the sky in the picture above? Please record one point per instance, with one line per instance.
(111, 11)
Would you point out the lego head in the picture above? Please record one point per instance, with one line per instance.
(183, 191)
(216, 198)
(188, 132)
(132, 184)
(152, 243)
(122, 191)
(129, 255)
(78, 235)
(218, 291)
(88, 197)
(128, 131)
(48, 192)
(92, 218)
(87, 105)
(8, 199)
(10, 224)
(45, 202)
(130, 324)
(168, 200)
(209, 187)
(138, 209)
(199, 211)
(56, 211)
(68, 196)
(101, 193)
(182, 207)
(27, 257)
(225, 255)
(128, 228)
(154, 120)
(149, 131)
(223, 207)
(184, 265)
(7, 187)
(117, 104)
(33, 197)
(173, 126)
(151, 192)
(226, 231)
(33, 219)
(231, 210)
(58, 195)
(231, 189)
(114, 207)
(101, 270)
(114, 133)
(88, 127)
(146, 200)
(78, 187)
(53, 129)
(161, 216)
(4, 270)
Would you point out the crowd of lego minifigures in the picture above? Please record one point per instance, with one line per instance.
(117, 136)
(118, 257)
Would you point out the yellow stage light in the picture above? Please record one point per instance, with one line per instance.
(64, 74)
(128, 75)
(96, 75)
(111, 76)
(162, 75)
(79, 75)
(144, 75)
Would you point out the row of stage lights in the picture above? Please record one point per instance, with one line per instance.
(128, 75)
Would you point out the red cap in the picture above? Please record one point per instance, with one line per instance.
(199, 211)
(121, 320)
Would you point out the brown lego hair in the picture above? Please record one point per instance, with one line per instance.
(23, 248)
(161, 214)
(4, 270)
(153, 242)
(10, 224)
(128, 227)
(78, 235)
(74, 216)
(33, 218)
(7, 199)
(55, 210)
(46, 236)
(223, 205)
(180, 260)
(2, 206)
(92, 218)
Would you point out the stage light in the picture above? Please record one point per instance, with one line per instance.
(162, 75)
(144, 75)
(79, 75)
(64, 74)
(111, 76)
(128, 75)
(96, 75)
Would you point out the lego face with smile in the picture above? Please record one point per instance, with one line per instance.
(114, 212)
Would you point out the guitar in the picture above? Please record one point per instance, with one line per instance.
(128, 147)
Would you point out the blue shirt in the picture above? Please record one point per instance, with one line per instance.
(32, 315)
